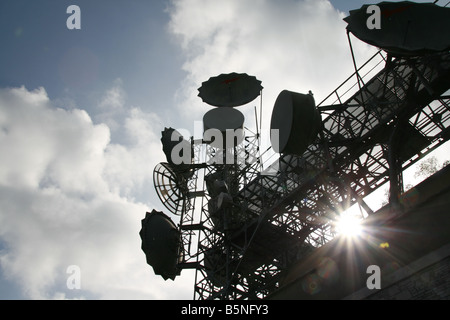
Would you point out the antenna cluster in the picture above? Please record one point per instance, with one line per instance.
(241, 229)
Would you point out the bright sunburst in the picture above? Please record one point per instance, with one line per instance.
(349, 226)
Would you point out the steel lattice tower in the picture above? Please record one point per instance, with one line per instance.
(291, 213)
(390, 113)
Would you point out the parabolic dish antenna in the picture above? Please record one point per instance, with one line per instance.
(223, 120)
(406, 28)
(297, 122)
(161, 244)
(171, 188)
(170, 139)
(230, 90)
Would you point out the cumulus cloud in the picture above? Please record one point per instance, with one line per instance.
(67, 198)
(299, 45)
(74, 186)
(112, 106)
(130, 167)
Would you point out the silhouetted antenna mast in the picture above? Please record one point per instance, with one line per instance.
(242, 228)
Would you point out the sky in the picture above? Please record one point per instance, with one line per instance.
(82, 110)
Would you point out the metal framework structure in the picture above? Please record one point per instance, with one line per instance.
(241, 227)
(385, 117)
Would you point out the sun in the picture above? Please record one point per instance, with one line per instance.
(348, 226)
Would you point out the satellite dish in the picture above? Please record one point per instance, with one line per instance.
(223, 120)
(171, 188)
(161, 244)
(171, 139)
(406, 28)
(297, 121)
(230, 90)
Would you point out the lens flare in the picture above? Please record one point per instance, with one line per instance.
(349, 226)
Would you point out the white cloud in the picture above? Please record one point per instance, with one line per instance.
(294, 45)
(298, 45)
(112, 106)
(72, 189)
(130, 168)
(67, 198)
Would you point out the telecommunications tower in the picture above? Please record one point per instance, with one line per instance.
(241, 227)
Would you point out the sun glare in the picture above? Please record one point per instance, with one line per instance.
(349, 226)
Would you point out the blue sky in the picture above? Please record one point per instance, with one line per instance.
(118, 39)
(81, 113)
(129, 40)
